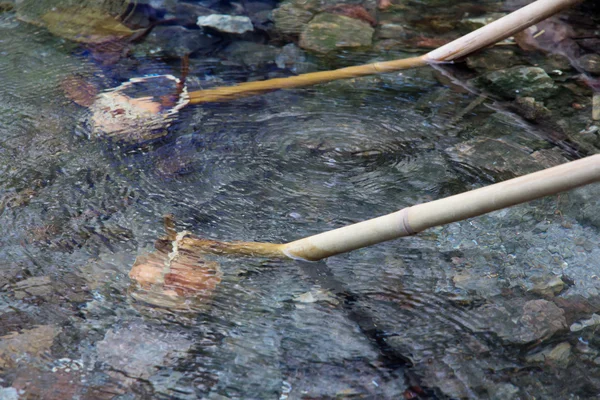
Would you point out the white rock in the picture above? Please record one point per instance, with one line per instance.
(226, 23)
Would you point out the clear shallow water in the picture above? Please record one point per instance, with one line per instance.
(414, 316)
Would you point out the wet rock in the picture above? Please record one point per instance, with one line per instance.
(473, 23)
(226, 23)
(290, 19)
(37, 286)
(486, 286)
(16, 199)
(355, 11)
(27, 343)
(328, 32)
(6, 6)
(391, 30)
(293, 58)
(32, 11)
(549, 157)
(251, 54)
(526, 323)
(497, 156)
(9, 393)
(530, 109)
(85, 25)
(175, 42)
(136, 351)
(548, 287)
(558, 356)
(187, 13)
(318, 295)
(594, 320)
(590, 63)
(518, 81)
(504, 391)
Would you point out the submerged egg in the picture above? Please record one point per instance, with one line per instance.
(139, 110)
(174, 278)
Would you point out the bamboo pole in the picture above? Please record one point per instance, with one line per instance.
(417, 218)
(482, 37)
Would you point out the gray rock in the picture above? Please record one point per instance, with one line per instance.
(558, 355)
(291, 57)
(391, 30)
(504, 391)
(499, 157)
(188, 13)
(9, 393)
(594, 320)
(590, 63)
(252, 54)
(518, 81)
(548, 287)
(328, 32)
(175, 42)
(534, 320)
(226, 23)
(137, 351)
(36, 286)
(290, 19)
(473, 23)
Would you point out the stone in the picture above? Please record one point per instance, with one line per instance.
(530, 109)
(6, 6)
(391, 30)
(594, 320)
(518, 81)
(492, 59)
(9, 393)
(290, 19)
(535, 320)
(317, 296)
(32, 342)
(549, 287)
(500, 157)
(292, 58)
(136, 350)
(473, 23)
(188, 13)
(590, 63)
(36, 286)
(251, 54)
(226, 23)
(328, 32)
(85, 25)
(558, 355)
(175, 42)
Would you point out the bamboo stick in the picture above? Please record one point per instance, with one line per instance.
(411, 220)
(482, 37)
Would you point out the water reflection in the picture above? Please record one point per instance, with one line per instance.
(417, 317)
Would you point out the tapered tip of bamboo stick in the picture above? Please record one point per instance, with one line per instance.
(179, 276)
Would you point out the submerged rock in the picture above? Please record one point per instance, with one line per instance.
(328, 32)
(534, 320)
(226, 23)
(558, 355)
(136, 351)
(518, 81)
(252, 54)
(290, 19)
(590, 63)
(594, 320)
(30, 342)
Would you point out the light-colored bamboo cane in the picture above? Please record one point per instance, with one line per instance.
(485, 36)
(417, 218)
